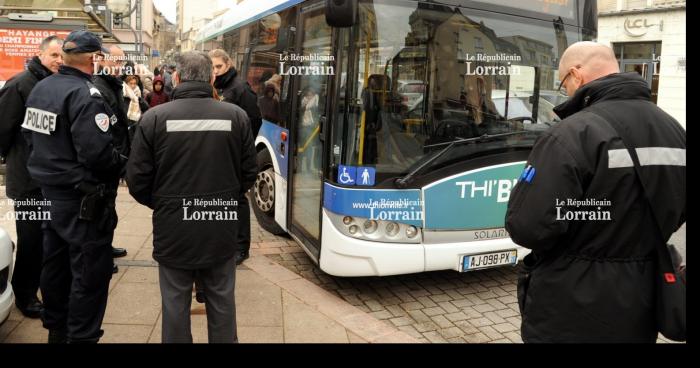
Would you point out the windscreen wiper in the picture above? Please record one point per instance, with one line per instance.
(403, 181)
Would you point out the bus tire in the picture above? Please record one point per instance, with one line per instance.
(263, 194)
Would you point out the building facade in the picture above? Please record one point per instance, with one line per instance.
(164, 37)
(649, 37)
(192, 15)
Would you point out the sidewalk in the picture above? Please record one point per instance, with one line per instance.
(273, 304)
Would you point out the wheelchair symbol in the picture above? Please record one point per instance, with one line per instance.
(345, 177)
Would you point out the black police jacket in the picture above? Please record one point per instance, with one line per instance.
(13, 97)
(237, 91)
(111, 89)
(69, 129)
(190, 160)
(591, 270)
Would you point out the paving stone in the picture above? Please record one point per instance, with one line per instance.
(411, 331)
(482, 308)
(426, 326)
(491, 332)
(505, 313)
(460, 303)
(448, 307)
(450, 332)
(480, 322)
(505, 327)
(442, 322)
(477, 338)
(426, 302)
(419, 316)
(411, 306)
(467, 327)
(396, 311)
(458, 316)
(430, 312)
(401, 321)
(434, 337)
(440, 298)
(494, 317)
(514, 337)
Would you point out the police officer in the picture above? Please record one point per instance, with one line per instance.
(20, 186)
(582, 211)
(68, 126)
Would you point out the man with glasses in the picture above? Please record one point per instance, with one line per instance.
(579, 206)
(73, 159)
(110, 86)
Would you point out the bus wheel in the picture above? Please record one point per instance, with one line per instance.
(264, 194)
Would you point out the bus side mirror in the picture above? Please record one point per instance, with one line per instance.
(341, 13)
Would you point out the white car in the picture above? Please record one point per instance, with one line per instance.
(7, 297)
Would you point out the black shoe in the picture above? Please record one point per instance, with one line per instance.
(31, 308)
(118, 252)
(200, 297)
(241, 256)
(115, 268)
(58, 337)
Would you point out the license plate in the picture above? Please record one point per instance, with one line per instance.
(487, 260)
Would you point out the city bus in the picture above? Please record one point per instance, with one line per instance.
(394, 130)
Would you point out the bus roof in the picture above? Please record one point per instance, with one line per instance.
(242, 14)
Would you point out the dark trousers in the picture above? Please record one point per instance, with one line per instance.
(27, 270)
(244, 224)
(77, 269)
(218, 283)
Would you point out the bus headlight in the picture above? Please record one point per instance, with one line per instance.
(370, 226)
(382, 231)
(392, 229)
(411, 231)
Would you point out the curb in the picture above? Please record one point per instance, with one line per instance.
(348, 316)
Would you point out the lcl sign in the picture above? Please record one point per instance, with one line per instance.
(637, 27)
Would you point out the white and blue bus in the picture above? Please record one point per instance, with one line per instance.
(394, 130)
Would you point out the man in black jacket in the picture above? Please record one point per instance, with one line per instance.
(20, 186)
(236, 90)
(192, 160)
(73, 159)
(109, 84)
(582, 211)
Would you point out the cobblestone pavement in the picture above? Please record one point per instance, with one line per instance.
(442, 306)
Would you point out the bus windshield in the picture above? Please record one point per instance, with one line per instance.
(422, 74)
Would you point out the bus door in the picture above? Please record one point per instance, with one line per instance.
(314, 73)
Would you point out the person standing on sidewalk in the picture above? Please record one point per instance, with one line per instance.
(233, 89)
(20, 186)
(72, 159)
(192, 160)
(110, 86)
(593, 280)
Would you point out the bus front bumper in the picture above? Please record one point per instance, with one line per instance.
(342, 255)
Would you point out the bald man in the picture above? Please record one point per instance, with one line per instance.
(582, 211)
(109, 84)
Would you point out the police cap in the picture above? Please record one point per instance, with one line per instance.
(81, 41)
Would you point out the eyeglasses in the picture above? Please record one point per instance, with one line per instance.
(565, 77)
